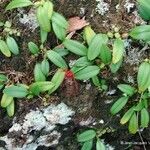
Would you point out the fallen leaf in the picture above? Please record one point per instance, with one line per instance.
(76, 23)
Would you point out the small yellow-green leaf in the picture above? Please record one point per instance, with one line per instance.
(45, 67)
(48, 5)
(144, 118)
(11, 109)
(118, 51)
(127, 116)
(6, 100)
(12, 45)
(18, 3)
(143, 77)
(4, 48)
(87, 72)
(118, 105)
(86, 135)
(88, 34)
(56, 59)
(133, 124)
(75, 47)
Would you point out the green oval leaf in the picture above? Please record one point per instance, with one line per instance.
(115, 67)
(3, 78)
(57, 79)
(144, 118)
(59, 20)
(75, 47)
(16, 91)
(82, 61)
(127, 116)
(59, 31)
(86, 136)
(12, 45)
(118, 51)
(38, 74)
(96, 81)
(43, 18)
(141, 32)
(105, 54)
(133, 124)
(56, 59)
(6, 100)
(18, 3)
(100, 145)
(87, 72)
(127, 89)
(48, 6)
(33, 48)
(11, 109)
(4, 48)
(45, 67)
(95, 45)
(118, 105)
(143, 77)
(61, 51)
(87, 145)
(38, 87)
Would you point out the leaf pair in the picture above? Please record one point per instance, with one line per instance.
(9, 46)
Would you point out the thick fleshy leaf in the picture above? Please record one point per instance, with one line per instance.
(59, 31)
(43, 18)
(75, 47)
(12, 45)
(6, 100)
(55, 58)
(143, 77)
(59, 20)
(45, 67)
(126, 117)
(100, 145)
(96, 45)
(38, 87)
(127, 89)
(118, 105)
(87, 145)
(144, 118)
(141, 32)
(144, 7)
(115, 67)
(4, 48)
(133, 124)
(11, 109)
(18, 3)
(57, 79)
(105, 54)
(33, 48)
(38, 74)
(118, 51)
(88, 34)
(16, 91)
(86, 135)
(87, 72)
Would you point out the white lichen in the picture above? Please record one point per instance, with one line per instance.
(128, 6)
(39, 120)
(29, 19)
(102, 7)
(87, 122)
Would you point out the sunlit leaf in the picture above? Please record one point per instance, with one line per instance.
(4, 48)
(133, 124)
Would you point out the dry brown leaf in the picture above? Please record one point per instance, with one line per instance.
(76, 23)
